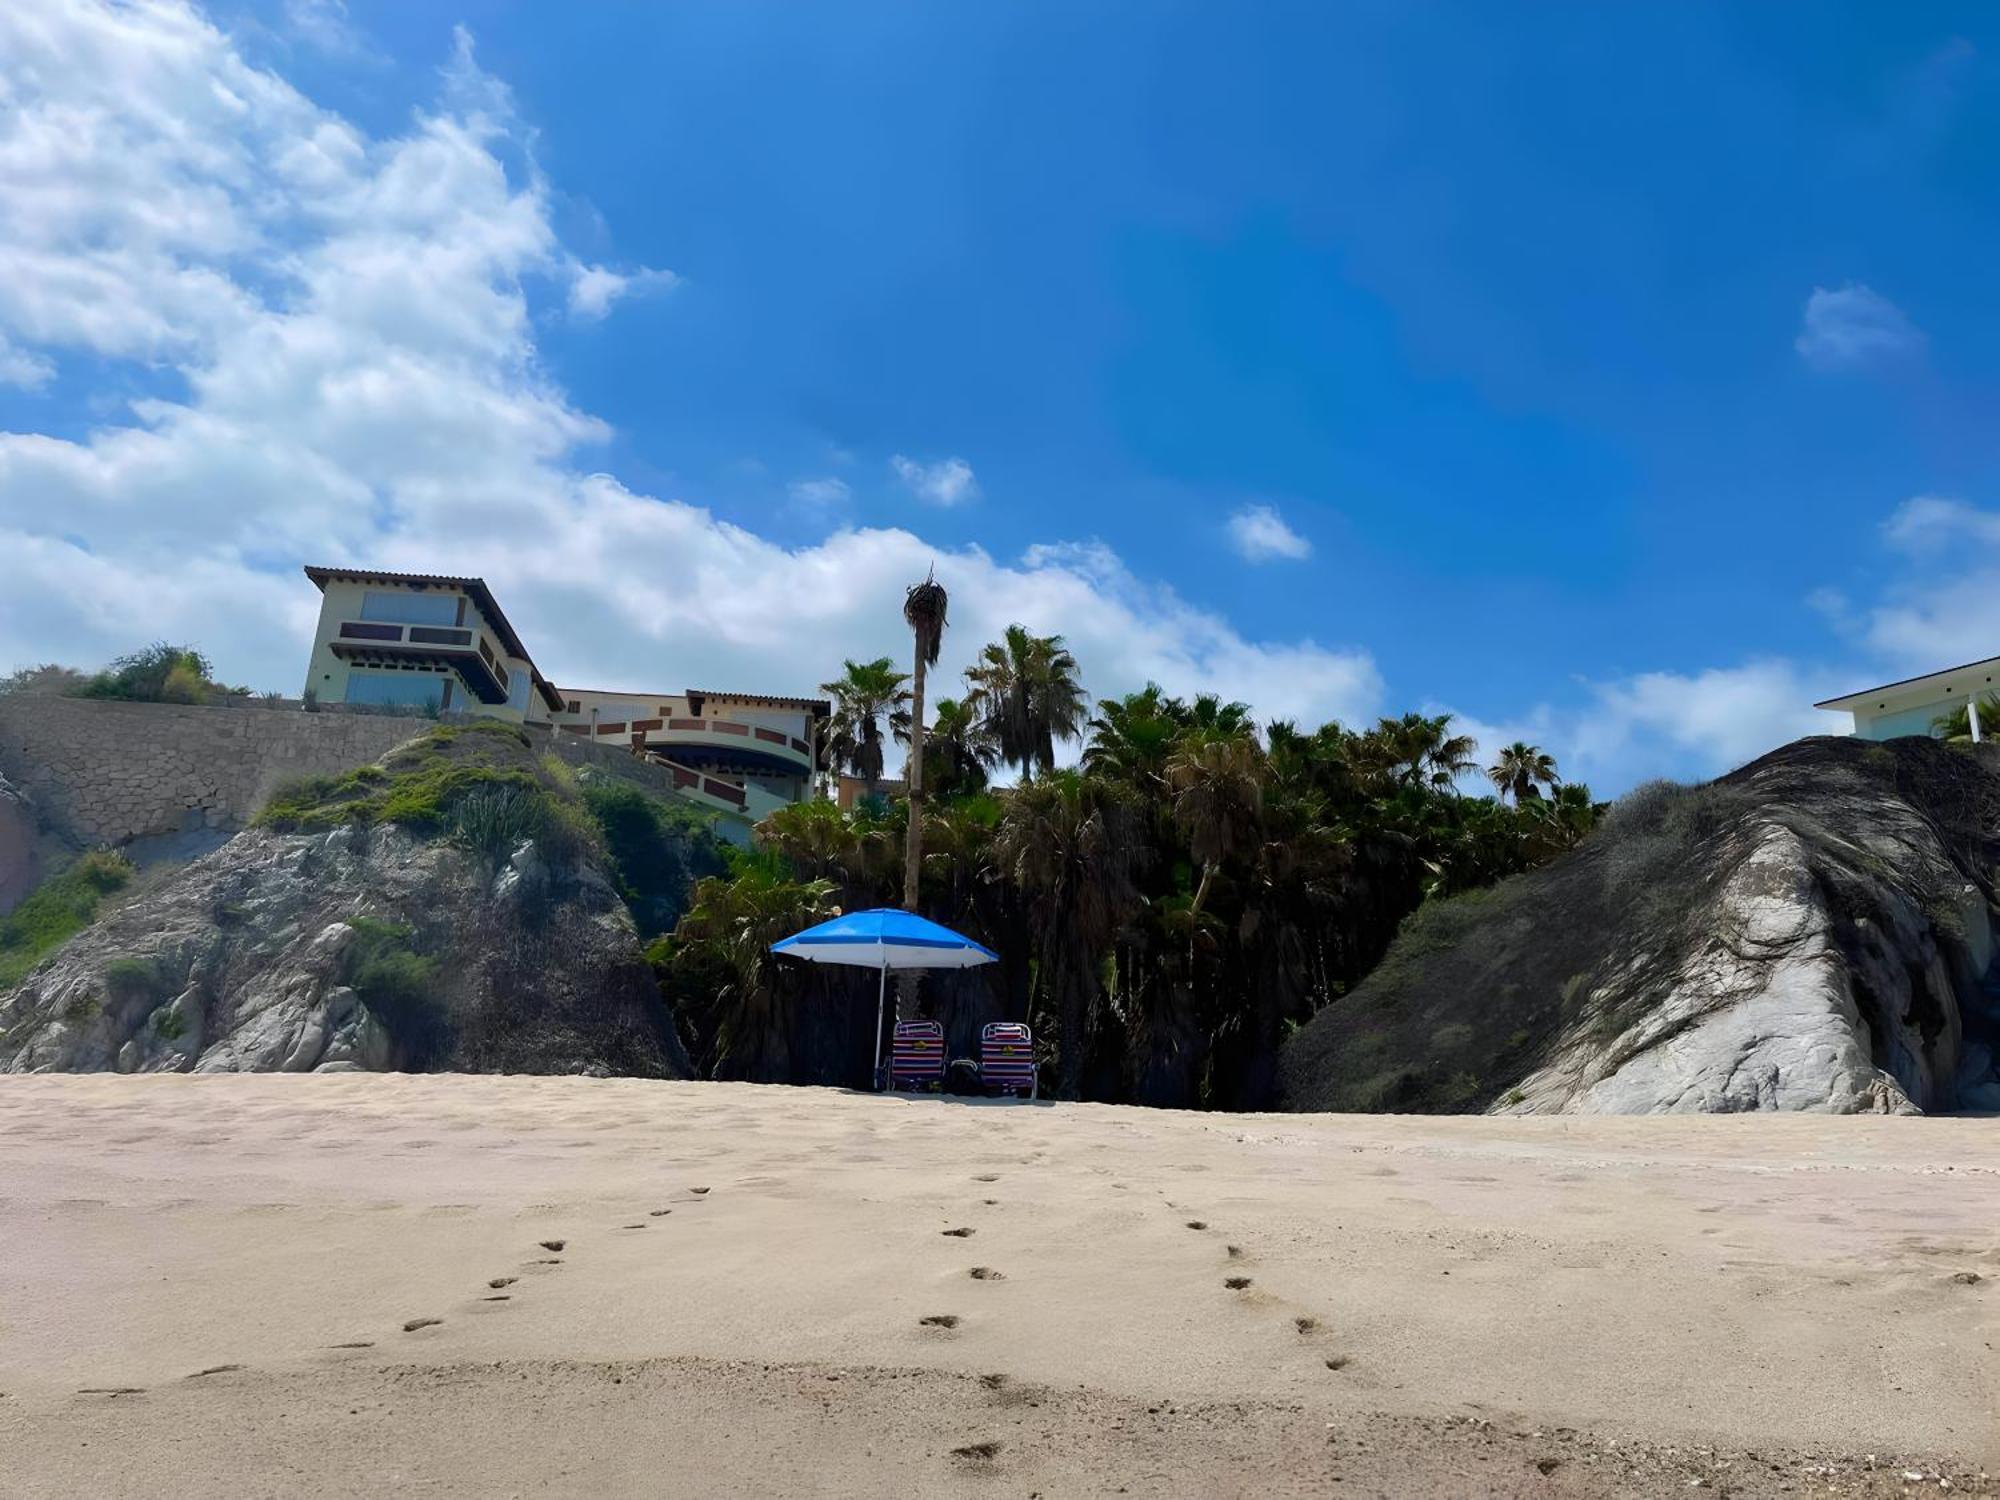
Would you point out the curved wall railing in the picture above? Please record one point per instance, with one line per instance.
(722, 734)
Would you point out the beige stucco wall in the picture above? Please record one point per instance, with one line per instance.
(327, 674)
(615, 708)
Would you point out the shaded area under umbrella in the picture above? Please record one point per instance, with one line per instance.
(883, 939)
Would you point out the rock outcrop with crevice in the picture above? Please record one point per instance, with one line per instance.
(1812, 932)
(247, 961)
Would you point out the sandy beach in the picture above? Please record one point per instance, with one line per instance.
(469, 1285)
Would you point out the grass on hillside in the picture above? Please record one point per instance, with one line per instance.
(480, 785)
(476, 783)
(60, 907)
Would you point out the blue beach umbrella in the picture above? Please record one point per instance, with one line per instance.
(884, 939)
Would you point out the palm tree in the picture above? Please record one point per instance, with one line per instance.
(924, 607)
(1523, 770)
(1132, 738)
(1028, 694)
(1565, 818)
(1066, 844)
(863, 696)
(1216, 779)
(729, 928)
(959, 752)
(1956, 726)
(1419, 750)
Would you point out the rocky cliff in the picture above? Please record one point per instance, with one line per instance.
(20, 853)
(1812, 932)
(450, 907)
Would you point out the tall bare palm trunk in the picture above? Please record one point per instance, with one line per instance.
(924, 610)
(913, 844)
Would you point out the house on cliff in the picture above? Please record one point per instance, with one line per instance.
(1908, 707)
(433, 642)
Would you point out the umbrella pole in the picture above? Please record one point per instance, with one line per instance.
(881, 997)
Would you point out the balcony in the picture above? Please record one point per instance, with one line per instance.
(466, 652)
(722, 744)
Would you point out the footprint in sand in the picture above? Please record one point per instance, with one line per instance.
(500, 1297)
(659, 1213)
(1235, 1251)
(977, 1452)
(960, 1233)
(552, 1244)
(1305, 1325)
(354, 1344)
(985, 1273)
(415, 1323)
(1237, 1283)
(499, 1281)
(993, 1382)
(1337, 1362)
(212, 1370)
(698, 1192)
(631, 1226)
(987, 1177)
(111, 1390)
(1197, 1223)
(939, 1320)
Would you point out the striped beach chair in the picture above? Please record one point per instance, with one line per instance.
(916, 1056)
(1007, 1058)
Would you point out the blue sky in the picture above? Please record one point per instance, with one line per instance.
(1618, 376)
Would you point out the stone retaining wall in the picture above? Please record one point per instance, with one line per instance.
(108, 773)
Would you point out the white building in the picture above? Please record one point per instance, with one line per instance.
(1908, 707)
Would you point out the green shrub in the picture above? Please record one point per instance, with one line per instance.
(128, 978)
(657, 850)
(49, 677)
(159, 674)
(398, 985)
(56, 910)
(469, 782)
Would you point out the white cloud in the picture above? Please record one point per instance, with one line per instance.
(1945, 607)
(19, 367)
(594, 289)
(345, 320)
(1699, 723)
(947, 482)
(324, 24)
(1259, 534)
(1854, 328)
(825, 491)
(1929, 523)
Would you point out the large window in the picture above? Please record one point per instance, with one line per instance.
(403, 689)
(410, 608)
